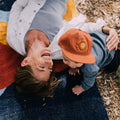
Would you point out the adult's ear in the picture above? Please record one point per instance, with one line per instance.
(25, 61)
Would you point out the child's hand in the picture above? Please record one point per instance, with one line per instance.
(77, 89)
(73, 71)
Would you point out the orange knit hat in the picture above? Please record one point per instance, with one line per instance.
(77, 45)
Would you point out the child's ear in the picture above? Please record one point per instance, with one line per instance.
(25, 61)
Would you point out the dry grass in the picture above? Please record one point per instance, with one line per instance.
(110, 92)
(109, 10)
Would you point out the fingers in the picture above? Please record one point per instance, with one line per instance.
(74, 71)
(78, 71)
(77, 89)
(112, 40)
(112, 35)
(109, 37)
(112, 43)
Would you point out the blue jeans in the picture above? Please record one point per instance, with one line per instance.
(63, 106)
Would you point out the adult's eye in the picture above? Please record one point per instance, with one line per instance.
(41, 66)
(50, 69)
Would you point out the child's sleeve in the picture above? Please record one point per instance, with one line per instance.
(90, 72)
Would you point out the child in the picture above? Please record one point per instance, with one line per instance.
(87, 52)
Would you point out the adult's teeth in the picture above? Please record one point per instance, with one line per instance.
(46, 55)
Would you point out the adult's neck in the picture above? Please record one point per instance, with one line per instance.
(36, 39)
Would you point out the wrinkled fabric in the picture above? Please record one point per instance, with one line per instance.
(63, 106)
(49, 18)
(9, 60)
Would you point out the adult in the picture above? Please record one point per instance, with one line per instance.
(36, 31)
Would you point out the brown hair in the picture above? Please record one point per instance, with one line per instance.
(27, 83)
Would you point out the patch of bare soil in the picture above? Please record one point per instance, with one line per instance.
(109, 10)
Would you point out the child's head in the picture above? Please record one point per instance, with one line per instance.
(76, 46)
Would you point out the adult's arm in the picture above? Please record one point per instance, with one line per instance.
(100, 25)
(91, 27)
(112, 40)
(15, 12)
(20, 19)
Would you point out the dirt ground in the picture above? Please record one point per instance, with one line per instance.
(109, 10)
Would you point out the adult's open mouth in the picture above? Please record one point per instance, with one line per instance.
(46, 54)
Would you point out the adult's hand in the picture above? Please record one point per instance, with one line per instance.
(112, 40)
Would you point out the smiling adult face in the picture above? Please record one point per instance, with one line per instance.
(41, 64)
(39, 55)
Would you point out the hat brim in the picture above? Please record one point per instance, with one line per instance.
(85, 59)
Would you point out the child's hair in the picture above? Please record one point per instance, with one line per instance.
(28, 84)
